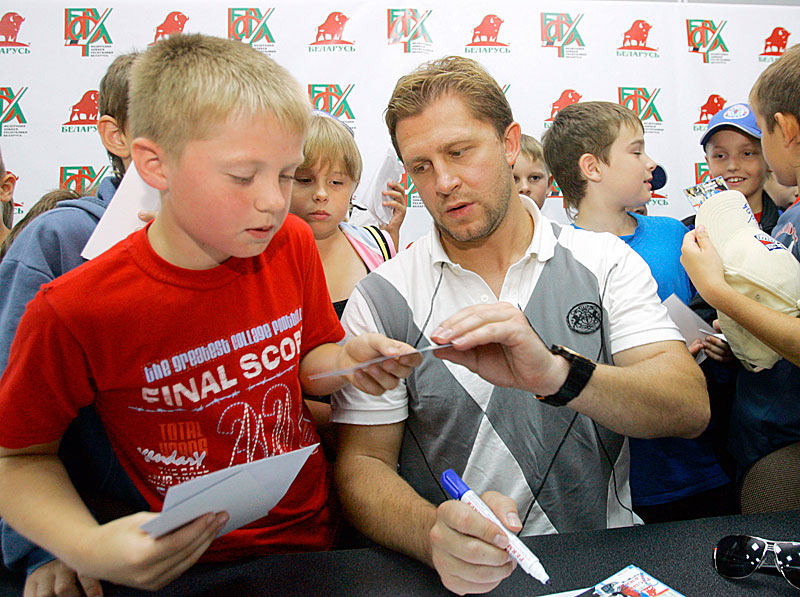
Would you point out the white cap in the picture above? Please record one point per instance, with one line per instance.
(756, 265)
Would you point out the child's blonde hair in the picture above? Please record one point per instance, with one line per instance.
(330, 143)
(532, 149)
(184, 85)
(777, 88)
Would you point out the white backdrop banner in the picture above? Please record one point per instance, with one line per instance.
(675, 65)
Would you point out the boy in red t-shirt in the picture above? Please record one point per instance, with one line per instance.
(193, 336)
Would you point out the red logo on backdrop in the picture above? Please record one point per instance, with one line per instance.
(9, 28)
(775, 44)
(485, 34)
(174, 23)
(554, 191)
(330, 32)
(568, 97)
(701, 172)
(85, 111)
(713, 104)
(636, 36)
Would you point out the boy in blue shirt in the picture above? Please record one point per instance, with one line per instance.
(597, 156)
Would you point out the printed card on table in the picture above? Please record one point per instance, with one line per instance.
(634, 582)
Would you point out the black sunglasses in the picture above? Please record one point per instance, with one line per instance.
(738, 556)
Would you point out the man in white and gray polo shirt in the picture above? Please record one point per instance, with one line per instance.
(491, 272)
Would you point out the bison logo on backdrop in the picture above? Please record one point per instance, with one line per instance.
(636, 36)
(174, 23)
(249, 25)
(775, 44)
(560, 30)
(567, 97)
(9, 28)
(332, 99)
(330, 32)
(704, 36)
(85, 27)
(85, 111)
(406, 25)
(641, 101)
(80, 178)
(485, 34)
(713, 104)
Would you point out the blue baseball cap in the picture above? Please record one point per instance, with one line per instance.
(737, 116)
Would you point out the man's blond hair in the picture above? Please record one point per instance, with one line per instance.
(330, 143)
(585, 127)
(449, 76)
(185, 85)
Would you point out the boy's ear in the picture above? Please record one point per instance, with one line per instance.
(7, 185)
(151, 162)
(789, 126)
(511, 142)
(589, 165)
(113, 137)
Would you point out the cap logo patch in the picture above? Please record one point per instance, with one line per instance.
(585, 318)
(736, 112)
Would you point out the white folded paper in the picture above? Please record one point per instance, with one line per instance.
(371, 195)
(122, 214)
(691, 326)
(246, 492)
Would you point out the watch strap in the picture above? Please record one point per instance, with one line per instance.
(580, 371)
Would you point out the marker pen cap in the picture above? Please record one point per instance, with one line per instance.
(453, 484)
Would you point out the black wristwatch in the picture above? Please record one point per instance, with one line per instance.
(580, 371)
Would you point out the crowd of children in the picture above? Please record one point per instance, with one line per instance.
(103, 348)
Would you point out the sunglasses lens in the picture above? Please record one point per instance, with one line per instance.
(788, 558)
(738, 556)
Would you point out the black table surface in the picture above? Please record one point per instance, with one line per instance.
(678, 554)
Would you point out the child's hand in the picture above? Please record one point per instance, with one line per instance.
(716, 349)
(56, 578)
(119, 551)
(378, 377)
(396, 199)
(703, 264)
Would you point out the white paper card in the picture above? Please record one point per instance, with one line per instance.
(371, 195)
(122, 214)
(691, 326)
(246, 492)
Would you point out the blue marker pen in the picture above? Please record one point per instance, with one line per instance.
(458, 490)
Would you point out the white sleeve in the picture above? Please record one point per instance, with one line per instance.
(635, 312)
(353, 406)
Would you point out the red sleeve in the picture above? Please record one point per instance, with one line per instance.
(320, 323)
(47, 379)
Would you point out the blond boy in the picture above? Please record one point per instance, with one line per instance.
(531, 176)
(191, 337)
